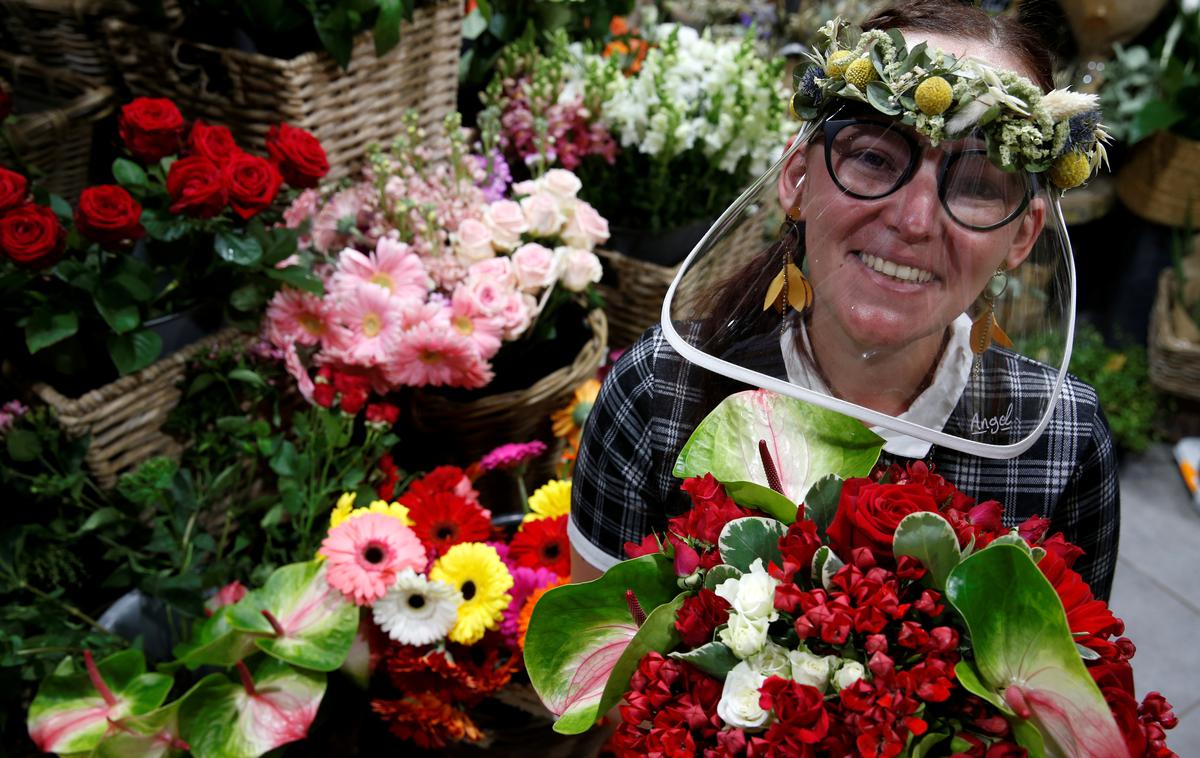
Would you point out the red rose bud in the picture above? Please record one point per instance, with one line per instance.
(1033, 529)
(253, 183)
(151, 128)
(686, 559)
(31, 236)
(323, 394)
(987, 515)
(212, 142)
(13, 189)
(109, 215)
(196, 187)
(382, 413)
(299, 155)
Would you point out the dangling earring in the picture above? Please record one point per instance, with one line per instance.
(789, 288)
(985, 329)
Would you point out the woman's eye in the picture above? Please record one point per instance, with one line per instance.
(873, 159)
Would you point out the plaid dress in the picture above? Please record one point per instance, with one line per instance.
(649, 404)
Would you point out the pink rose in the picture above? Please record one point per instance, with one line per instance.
(518, 314)
(561, 183)
(534, 266)
(498, 270)
(485, 296)
(527, 187)
(542, 213)
(507, 223)
(586, 228)
(579, 268)
(474, 242)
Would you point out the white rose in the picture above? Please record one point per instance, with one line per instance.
(535, 266)
(585, 228)
(848, 673)
(498, 270)
(744, 636)
(738, 705)
(810, 669)
(561, 183)
(506, 221)
(542, 214)
(527, 187)
(474, 242)
(752, 595)
(579, 268)
(772, 660)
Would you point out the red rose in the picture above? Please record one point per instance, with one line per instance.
(699, 616)
(799, 709)
(253, 183)
(299, 155)
(213, 142)
(32, 236)
(109, 215)
(868, 514)
(1124, 709)
(382, 413)
(151, 128)
(13, 189)
(196, 187)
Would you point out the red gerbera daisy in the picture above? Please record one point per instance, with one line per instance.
(543, 543)
(443, 519)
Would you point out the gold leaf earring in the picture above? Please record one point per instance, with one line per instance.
(789, 288)
(985, 329)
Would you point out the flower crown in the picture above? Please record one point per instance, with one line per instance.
(946, 98)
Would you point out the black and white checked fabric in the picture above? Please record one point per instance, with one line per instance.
(623, 488)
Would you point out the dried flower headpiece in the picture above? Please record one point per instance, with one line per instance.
(947, 98)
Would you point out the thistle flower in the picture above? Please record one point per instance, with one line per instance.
(808, 82)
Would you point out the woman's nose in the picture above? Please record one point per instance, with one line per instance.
(913, 209)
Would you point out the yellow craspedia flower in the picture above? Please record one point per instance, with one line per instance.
(476, 571)
(550, 500)
(860, 72)
(1070, 170)
(342, 511)
(836, 64)
(934, 95)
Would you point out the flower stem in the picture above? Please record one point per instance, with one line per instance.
(247, 680)
(274, 622)
(97, 681)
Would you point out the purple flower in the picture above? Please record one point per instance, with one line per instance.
(10, 412)
(525, 582)
(512, 455)
(495, 185)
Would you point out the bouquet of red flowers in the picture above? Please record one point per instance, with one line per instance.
(890, 614)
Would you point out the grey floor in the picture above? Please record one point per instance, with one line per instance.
(1157, 587)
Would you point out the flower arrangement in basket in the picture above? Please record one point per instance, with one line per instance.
(889, 614)
(426, 592)
(433, 264)
(187, 225)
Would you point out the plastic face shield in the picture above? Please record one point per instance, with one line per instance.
(937, 296)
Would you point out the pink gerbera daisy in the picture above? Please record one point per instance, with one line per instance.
(512, 454)
(392, 266)
(296, 316)
(367, 552)
(483, 331)
(370, 323)
(525, 582)
(436, 355)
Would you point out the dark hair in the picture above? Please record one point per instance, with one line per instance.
(720, 336)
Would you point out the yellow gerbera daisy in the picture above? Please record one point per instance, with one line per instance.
(395, 510)
(551, 499)
(342, 511)
(478, 573)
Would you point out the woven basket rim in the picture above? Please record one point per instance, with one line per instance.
(1162, 334)
(73, 8)
(94, 102)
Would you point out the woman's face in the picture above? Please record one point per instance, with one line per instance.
(893, 270)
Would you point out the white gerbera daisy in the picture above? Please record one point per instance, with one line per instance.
(416, 611)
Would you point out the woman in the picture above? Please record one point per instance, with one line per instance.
(924, 216)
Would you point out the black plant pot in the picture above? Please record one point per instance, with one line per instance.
(665, 248)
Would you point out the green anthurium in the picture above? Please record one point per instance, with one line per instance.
(151, 735)
(73, 707)
(1025, 657)
(357, 665)
(215, 642)
(299, 618)
(803, 443)
(274, 704)
(578, 633)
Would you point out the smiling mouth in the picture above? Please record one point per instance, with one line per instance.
(899, 272)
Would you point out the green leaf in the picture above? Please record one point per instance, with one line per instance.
(164, 229)
(115, 308)
(101, 518)
(214, 642)
(578, 632)
(61, 207)
(248, 376)
(805, 443)
(387, 24)
(474, 24)
(247, 297)
(220, 719)
(70, 715)
(713, 658)
(134, 351)
(135, 278)
(824, 565)
(239, 250)
(930, 740)
(746, 540)
(298, 277)
(879, 94)
(151, 735)
(23, 445)
(821, 502)
(1019, 632)
(656, 634)
(45, 327)
(318, 621)
(128, 174)
(930, 539)
(720, 573)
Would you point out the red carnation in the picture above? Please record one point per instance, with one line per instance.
(299, 155)
(445, 520)
(542, 542)
(32, 236)
(13, 190)
(699, 615)
(151, 128)
(253, 183)
(868, 514)
(196, 187)
(212, 142)
(108, 214)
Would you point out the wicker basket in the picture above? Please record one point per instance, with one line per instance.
(125, 418)
(52, 132)
(1174, 359)
(63, 34)
(1161, 182)
(345, 110)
